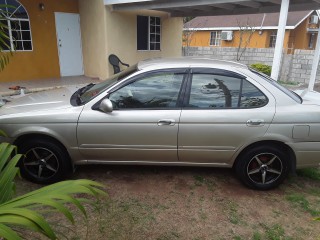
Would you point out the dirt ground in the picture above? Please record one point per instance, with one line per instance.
(165, 203)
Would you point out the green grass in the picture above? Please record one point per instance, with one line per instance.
(276, 232)
(233, 216)
(237, 238)
(298, 199)
(200, 181)
(256, 236)
(273, 232)
(312, 173)
(123, 218)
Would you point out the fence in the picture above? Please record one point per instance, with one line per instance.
(295, 67)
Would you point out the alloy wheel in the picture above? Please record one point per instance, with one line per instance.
(41, 163)
(264, 168)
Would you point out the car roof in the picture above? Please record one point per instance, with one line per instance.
(185, 62)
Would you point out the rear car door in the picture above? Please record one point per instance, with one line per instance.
(143, 126)
(222, 111)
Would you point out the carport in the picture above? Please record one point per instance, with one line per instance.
(186, 8)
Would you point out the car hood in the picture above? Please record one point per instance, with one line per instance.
(41, 101)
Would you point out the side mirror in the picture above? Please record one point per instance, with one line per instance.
(106, 106)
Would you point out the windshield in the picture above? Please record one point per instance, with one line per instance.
(90, 91)
(288, 92)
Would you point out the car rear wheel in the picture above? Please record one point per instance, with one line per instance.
(262, 167)
(44, 161)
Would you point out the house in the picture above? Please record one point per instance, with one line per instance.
(56, 38)
(253, 30)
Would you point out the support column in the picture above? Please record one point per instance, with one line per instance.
(315, 65)
(280, 39)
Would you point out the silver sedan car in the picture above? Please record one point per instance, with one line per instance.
(188, 112)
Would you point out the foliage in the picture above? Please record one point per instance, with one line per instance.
(266, 69)
(23, 211)
(4, 38)
(312, 173)
(188, 33)
(187, 19)
(299, 200)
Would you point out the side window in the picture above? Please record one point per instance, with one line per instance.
(251, 96)
(157, 91)
(217, 91)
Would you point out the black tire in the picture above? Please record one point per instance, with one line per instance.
(44, 161)
(263, 167)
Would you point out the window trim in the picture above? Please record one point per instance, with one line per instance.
(312, 40)
(149, 34)
(217, 38)
(140, 76)
(294, 96)
(9, 19)
(273, 36)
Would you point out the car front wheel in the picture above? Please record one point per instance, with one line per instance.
(43, 161)
(263, 167)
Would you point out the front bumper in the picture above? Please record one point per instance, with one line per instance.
(6, 140)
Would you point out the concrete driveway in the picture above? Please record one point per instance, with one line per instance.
(44, 84)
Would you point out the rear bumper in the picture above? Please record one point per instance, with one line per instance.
(307, 154)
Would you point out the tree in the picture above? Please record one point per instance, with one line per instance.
(245, 34)
(187, 37)
(188, 33)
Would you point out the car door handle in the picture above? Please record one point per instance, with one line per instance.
(255, 122)
(166, 122)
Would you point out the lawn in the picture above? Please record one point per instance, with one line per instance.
(165, 203)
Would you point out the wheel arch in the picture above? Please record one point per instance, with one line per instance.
(275, 144)
(21, 139)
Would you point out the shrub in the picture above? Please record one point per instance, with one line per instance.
(266, 69)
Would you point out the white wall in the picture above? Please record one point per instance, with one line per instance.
(106, 32)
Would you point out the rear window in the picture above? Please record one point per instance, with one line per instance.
(288, 92)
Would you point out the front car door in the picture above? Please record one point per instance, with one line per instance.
(143, 126)
(222, 111)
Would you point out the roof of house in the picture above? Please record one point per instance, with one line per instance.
(233, 22)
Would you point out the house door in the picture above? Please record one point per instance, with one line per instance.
(69, 44)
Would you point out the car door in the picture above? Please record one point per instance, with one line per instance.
(143, 125)
(222, 112)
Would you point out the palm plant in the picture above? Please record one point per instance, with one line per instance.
(4, 38)
(22, 211)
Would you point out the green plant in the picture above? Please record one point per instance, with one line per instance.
(266, 69)
(4, 38)
(234, 217)
(312, 173)
(299, 199)
(23, 211)
(275, 232)
(288, 83)
(256, 236)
